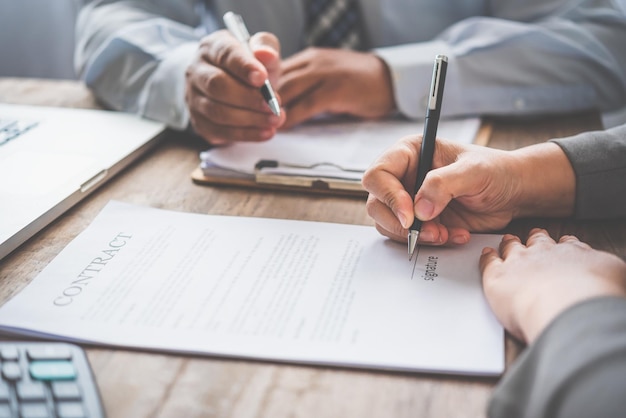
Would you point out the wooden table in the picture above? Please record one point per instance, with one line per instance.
(144, 384)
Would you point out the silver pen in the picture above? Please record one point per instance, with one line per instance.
(235, 24)
(427, 150)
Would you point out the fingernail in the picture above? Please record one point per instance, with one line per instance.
(424, 209)
(459, 239)
(427, 236)
(256, 77)
(267, 134)
(404, 221)
(273, 119)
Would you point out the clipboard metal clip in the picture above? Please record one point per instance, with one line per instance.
(275, 164)
(286, 174)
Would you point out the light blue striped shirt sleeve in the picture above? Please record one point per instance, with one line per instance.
(507, 57)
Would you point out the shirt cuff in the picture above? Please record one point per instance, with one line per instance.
(411, 68)
(163, 99)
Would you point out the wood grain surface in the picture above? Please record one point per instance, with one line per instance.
(147, 384)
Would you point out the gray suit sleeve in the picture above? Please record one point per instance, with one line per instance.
(599, 162)
(576, 368)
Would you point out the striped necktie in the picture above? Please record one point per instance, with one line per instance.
(333, 24)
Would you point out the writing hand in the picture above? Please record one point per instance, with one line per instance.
(222, 88)
(468, 189)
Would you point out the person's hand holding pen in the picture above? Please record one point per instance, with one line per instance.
(469, 188)
(223, 88)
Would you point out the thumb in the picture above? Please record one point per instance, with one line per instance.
(490, 265)
(490, 258)
(440, 186)
(266, 49)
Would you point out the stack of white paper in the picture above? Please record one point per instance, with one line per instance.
(335, 149)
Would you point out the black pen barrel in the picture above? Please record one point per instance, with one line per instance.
(427, 151)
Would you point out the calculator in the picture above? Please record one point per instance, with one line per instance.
(46, 379)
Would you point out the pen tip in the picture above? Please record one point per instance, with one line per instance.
(274, 107)
(412, 242)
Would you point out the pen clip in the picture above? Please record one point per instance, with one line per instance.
(434, 84)
(235, 24)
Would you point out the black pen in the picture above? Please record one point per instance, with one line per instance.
(237, 27)
(428, 140)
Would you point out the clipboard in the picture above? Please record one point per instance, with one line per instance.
(265, 177)
(281, 182)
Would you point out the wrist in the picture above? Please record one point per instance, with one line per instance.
(385, 96)
(547, 183)
(543, 311)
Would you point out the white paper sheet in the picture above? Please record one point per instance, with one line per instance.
(331, 149)
(282, 290)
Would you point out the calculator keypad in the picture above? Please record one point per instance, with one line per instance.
(43, 379)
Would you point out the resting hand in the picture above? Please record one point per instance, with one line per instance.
(334, 81)
(470, 188)
(528, 285)
(222, 88)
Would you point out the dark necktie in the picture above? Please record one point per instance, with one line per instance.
(333, 24)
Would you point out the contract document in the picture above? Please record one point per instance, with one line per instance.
(268, 289)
